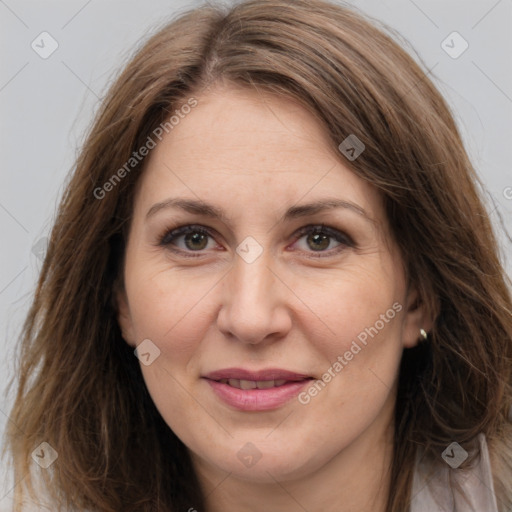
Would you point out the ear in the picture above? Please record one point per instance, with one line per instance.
(124, 318)
(416, 317)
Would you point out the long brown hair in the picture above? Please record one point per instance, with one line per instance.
(80, 387)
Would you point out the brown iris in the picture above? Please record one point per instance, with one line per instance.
(320, 241)
(196, 241)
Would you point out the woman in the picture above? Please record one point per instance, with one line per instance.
(272, 285)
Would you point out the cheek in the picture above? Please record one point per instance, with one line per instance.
(168, 307)
(175, 313)
(360, 350)
(362, 354)
(357, 305)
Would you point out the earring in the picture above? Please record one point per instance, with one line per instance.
(424, 334)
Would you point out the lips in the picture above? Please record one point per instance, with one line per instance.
(256, 390)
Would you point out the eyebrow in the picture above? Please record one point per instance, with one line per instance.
(196, 206)
(321, 205)
(200, 207)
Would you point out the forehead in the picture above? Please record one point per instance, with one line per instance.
(240, 141)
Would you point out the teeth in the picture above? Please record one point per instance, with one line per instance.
(265, 384)
(251, 384)
(247, 384)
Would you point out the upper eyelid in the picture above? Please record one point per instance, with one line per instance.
(184, 229)
(320, 228)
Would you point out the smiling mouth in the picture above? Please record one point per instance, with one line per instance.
(258, 391)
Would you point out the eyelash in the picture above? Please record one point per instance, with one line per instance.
(171, 234)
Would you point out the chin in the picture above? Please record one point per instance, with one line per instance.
(264, 462)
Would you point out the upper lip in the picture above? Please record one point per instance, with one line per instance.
(257, 375)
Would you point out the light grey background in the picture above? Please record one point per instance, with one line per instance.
(46, 104)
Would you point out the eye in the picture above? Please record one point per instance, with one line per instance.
(190, 238)
(322, 239)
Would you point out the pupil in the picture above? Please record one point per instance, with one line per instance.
(322, 240)
(192, 239)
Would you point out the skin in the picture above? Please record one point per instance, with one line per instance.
(254, 155)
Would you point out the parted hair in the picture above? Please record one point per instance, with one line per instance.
(79, 386)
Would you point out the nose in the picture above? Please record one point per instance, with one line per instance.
(254, 303)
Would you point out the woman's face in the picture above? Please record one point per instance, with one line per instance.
(275, 318)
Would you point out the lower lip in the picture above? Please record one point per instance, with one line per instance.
(257, 399)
